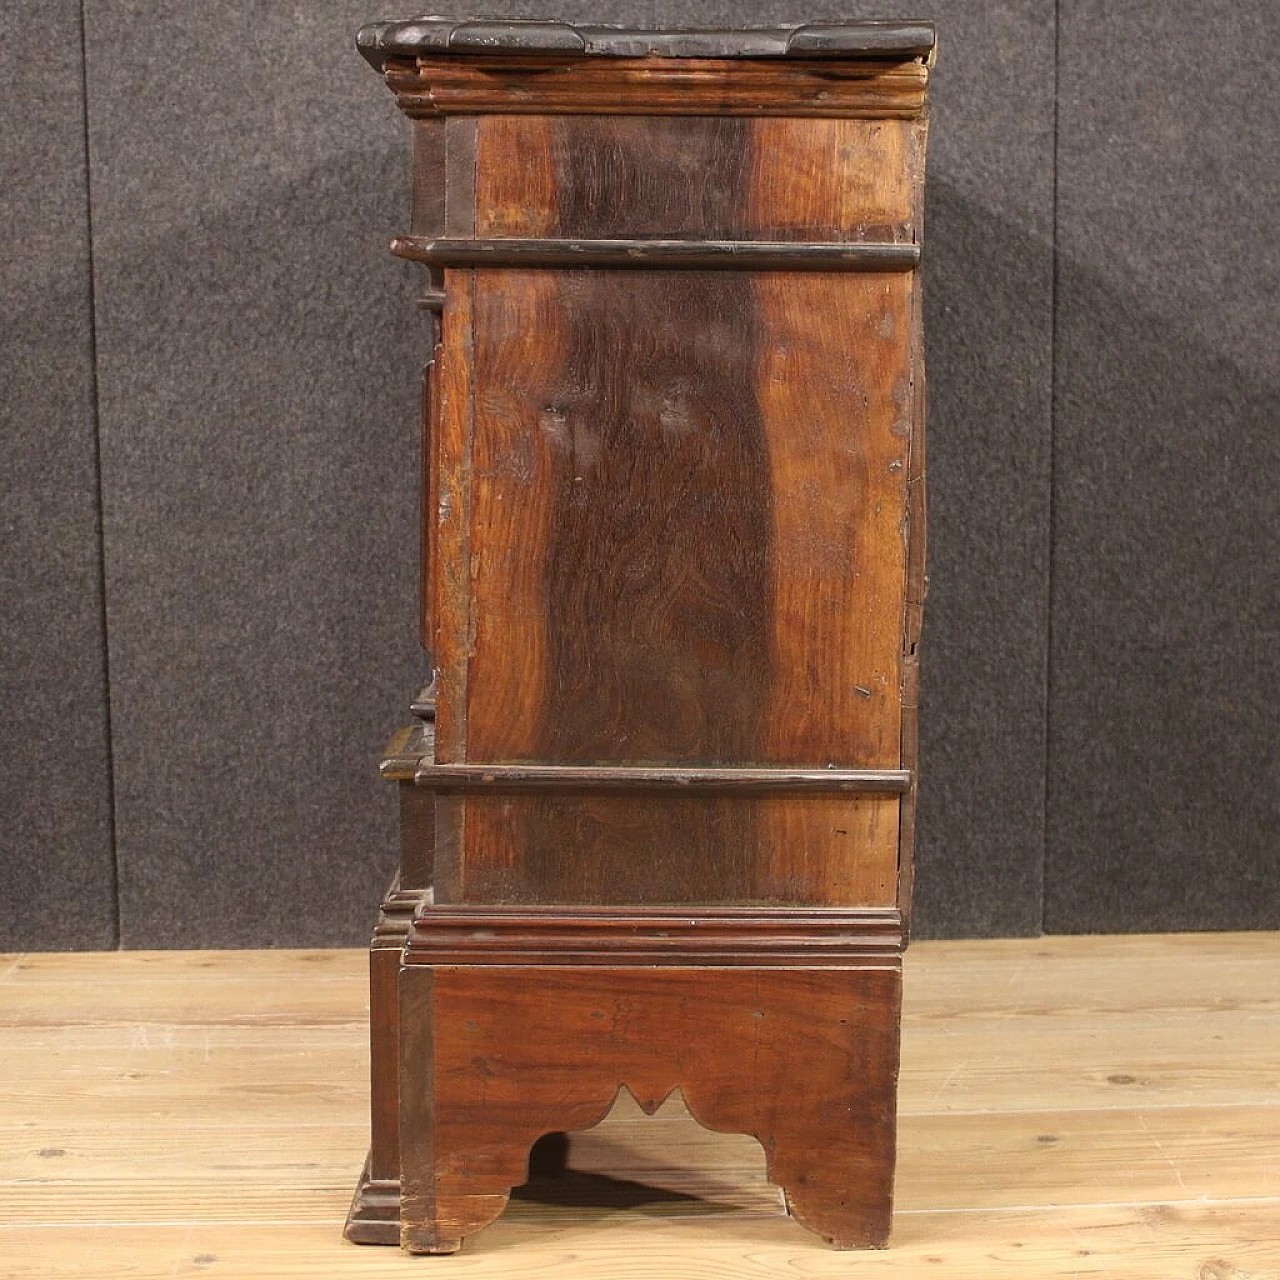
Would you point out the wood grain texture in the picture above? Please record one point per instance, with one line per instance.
(647, 484)
(1235, 1241)
(835, 389)
(661, 576)
(847, 180)
(428, 502)
(667, 561)
(449, 580)
(682, 178)
(652, 581)
(428, 176)
(658, 87)
(613, 177)
(498, 1069)
(685, 541)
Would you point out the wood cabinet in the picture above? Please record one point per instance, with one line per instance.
(657, 805)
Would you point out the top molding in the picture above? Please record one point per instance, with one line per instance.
(434, 36)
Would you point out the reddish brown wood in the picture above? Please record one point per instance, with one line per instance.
(778, 936)
(427, 517)
(374, 1217)
(804, 1059)
(680, 779)
(700, 177)
(657, 86)
(663, 790)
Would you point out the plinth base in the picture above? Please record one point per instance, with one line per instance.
(517, 1022)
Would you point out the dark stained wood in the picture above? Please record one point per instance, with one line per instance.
(778, 937)
(424, 705)
(374, 1217)
(428, 176)
(449, 577)
(383, 41)
(658, 808)
(516, 777)
(736, 255)
(409, 750)
(641, 178)
(417, 812)
(634, 587)
(613, 177)
(659, 849)
(427, 501)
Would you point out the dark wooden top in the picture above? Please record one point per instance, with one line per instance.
(879, 39)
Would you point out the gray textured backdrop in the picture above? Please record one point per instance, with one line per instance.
(209, 372)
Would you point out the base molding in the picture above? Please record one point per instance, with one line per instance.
(514, 1022)
(867, 937)
(374, 1216)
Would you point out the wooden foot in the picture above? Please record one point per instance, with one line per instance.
(783, 1025)
(374, 1217)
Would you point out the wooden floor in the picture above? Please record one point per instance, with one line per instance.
(1070, 1107)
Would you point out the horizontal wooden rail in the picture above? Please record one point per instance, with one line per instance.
(562, 777)
(687, 255)
(779, 937)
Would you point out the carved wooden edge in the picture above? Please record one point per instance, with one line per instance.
(670, 778)
(396, 915)
(374, 1216)
(873, 38)
(703, 937)
(429, 86)
(454, 422)
(916, 585)
(408, 749)
(424, 704)
(688, 255)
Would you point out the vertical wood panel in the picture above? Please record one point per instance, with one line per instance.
(835, 179)
(687, 512)
(653, 176)
(451, 582)
(836, 391)
(620, 572)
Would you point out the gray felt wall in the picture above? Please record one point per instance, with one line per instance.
(209, 367)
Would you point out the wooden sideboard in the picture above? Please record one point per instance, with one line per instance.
(657, 802)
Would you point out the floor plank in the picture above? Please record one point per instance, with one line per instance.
(1071, 1107)
(1161, 1242)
